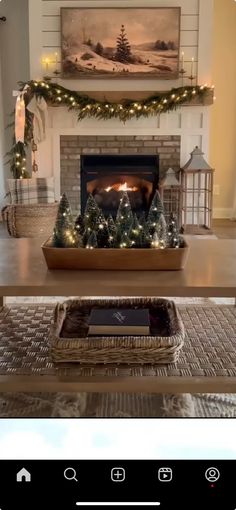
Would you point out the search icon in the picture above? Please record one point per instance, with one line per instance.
(70, 474)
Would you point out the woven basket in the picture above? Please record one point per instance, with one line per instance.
(33, 220)
(70, 343)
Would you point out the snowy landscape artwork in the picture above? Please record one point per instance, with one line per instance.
(120, 42)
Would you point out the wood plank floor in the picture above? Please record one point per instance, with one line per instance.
(224, 229)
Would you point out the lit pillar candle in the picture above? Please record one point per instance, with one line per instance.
(192, 66)
(46, 64)
(56, 58)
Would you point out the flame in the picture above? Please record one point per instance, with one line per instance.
(121, 187)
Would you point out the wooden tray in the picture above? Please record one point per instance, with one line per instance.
(169, 259)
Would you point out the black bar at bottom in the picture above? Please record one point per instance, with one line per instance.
(72, 485)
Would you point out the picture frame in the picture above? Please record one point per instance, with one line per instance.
(120, 42)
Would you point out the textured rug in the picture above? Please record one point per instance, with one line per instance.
(210, 349)
(116, 405)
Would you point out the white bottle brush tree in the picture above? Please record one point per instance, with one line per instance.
(173, 237)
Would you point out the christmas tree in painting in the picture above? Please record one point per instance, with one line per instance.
(123, 50)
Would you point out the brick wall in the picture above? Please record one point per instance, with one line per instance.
(167, 147)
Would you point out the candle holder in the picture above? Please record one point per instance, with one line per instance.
(47, 78)
(182, 72)
(57, 73)
(192, 78)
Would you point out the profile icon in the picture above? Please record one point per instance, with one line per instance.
(212, 474)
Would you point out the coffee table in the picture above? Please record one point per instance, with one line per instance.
(210, 272)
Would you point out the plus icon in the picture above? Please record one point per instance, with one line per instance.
(118, 474)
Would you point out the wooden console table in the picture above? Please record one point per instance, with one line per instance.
(210, 272)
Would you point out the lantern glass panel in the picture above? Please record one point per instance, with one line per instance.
(172, 202)
(197, 199)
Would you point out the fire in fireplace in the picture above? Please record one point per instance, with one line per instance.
(105, 177)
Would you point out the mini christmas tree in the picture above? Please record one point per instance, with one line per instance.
(124, 218)
(112, 231)
(125, 241)
(86, 235)
(142, 219)
(91, 214)
(64, 234)
(155, 241)
(102, 231)
(79, 225)
(135, 231)
(173, 237)
(161, 231)
(145, 237)
(155, 212)
(92, 241)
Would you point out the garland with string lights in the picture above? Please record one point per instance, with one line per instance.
(86, 106)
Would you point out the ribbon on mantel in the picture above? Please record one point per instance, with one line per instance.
(20, 114)
(39, 108)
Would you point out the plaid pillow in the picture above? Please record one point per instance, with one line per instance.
(32, 191)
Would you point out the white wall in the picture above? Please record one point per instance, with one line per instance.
(14, 59)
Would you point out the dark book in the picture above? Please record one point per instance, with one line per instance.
(121, 322)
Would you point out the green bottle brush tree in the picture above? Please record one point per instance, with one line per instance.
(126, 231)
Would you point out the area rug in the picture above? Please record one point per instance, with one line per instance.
(210, 349)
(116, 405)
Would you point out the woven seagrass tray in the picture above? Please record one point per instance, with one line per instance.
(30, 220)
(70, 343)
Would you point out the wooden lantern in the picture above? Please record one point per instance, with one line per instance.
(197, 193)
(171, 196)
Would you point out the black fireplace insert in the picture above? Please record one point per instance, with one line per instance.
(106, 176)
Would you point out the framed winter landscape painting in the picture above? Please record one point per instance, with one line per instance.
(120, 42)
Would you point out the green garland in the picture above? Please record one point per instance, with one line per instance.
(86, 106)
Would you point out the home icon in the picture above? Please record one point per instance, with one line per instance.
(23, 476)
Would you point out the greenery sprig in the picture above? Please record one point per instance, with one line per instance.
(87, 107)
